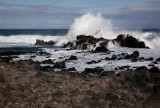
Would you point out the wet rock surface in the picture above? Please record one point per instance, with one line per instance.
(41, 42)
(25, 85)
(129, 41)
(89, 42)
(72, 57)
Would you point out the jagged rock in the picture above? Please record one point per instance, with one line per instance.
(114, 57)
(86, 42)
(101, 49)
(107, 58)
(93, 62)
(60, 65)
(73, 58)
(158, 59)
(68, 45)
(41, 42)
(130, 41)
(135, 54)
(89, 42)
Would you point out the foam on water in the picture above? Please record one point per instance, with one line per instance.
(85, 56)
(30, 39)
(88, 24)
(97, 26)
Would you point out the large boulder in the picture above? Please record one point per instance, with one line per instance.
(130, 41)
(101, 49)
(135, 54)
(158, 59)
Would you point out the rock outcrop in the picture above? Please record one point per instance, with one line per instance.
(41, 42)
(91, 43)
(129, 41)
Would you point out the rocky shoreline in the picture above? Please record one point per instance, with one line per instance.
(29, 83)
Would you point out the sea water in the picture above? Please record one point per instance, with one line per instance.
(88, 24)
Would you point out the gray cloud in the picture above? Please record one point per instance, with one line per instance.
(36, 16)
(131, 15)
(136, 16)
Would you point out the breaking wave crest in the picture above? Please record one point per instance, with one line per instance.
(88, 24)
(97, 26)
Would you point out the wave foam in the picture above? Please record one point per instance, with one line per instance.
(88, 24)
(31, 39)
(97, 26)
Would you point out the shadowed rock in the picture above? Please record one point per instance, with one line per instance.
(101, 49)
(41, 42)
(130, 41)
(73, 58)
(60, 65)
(89, 42)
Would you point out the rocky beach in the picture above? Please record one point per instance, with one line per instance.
(85, 74)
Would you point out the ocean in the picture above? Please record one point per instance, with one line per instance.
(22, 38)
(44, 32)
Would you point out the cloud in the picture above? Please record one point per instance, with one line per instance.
(36, 16)
(137, 16)
(130, 15)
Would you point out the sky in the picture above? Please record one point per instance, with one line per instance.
(60, 14)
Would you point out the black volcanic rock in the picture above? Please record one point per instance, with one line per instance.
(130, 41)
(41, 42)
(86, 42)
(89, 42)
(135, 54)
(158, 59)
(68, 45)
(73, 57)
(101, 49)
